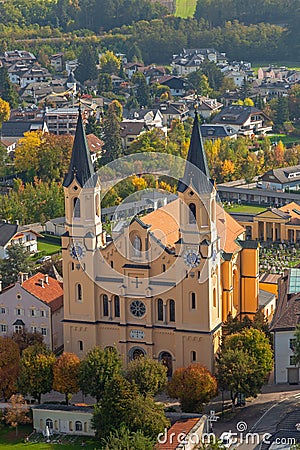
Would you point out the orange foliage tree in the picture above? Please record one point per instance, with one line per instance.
(65, 374)
(193, 386)
(9, 366)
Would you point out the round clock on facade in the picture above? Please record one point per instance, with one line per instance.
(77, 250)
(137, 308)
(191, 258)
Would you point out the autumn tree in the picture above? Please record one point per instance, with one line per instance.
(36, 371)
(65, 375)
(110, 63)
(26, 339)
(9, 366)
(193, 386)
(17, 412)
(4, 111)
(96, 369)
(123, 405)
(149, 376)
(17, 260)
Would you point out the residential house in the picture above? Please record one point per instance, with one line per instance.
(12, 233)
(237, 77)
(152, 117)
(211, 132)
(184, 434)
(11, 57)
(13, 130)
(281, 179)
(152, 73)
(9, 144)
(177, 85)
(205, 106)
(71, 65)
(190, 60)
(22, 74)
(57, 62)
(95, 146)
(267, 304)
(34, 304)
(283, 328)
(116, 81)
(131, 68)
(130, 130)
(63, 419)
(63, 120)
(171, 111)
(36, 92)
(246, 120)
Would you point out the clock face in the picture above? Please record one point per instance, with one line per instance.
(77, 251)
(137, 308)
(191, 258)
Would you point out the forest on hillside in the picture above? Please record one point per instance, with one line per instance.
(268, 30)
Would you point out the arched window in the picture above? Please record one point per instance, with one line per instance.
(76, 207)
(78, 292)
(117, 305)
(193, 356)
(97, 205)
(78, 425)
(137, 246)
(193, 300)
(192, 213)
(105, 305)
(49, 424)
(160, 309)
(172, 310)
(80, 346)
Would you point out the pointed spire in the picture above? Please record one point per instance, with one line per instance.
(81, 165)
(196, 170)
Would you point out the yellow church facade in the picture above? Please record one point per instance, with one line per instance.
(165, 283)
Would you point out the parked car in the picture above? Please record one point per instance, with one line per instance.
(44, 259)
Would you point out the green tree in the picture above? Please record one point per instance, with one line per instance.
(7, 90)
(104, 83)
(65, 375)
(36, 371)
(142, 89)
(98, 367)
(111, 129)
(249, 356)
(9, 366)
(87, 61)
(123, 405)
(282, 111)
(17, 260)
(124, 439)
(193, 386)
(150, 376)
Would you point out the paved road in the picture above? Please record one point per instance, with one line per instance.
(261, 417)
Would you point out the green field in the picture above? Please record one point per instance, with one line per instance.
(8, 440)
(284, 138)
(185, 8)
(244, 209)
(47, 248)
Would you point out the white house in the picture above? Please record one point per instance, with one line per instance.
(12, 233)
(63, 419)
(283, 328)
(34, 304)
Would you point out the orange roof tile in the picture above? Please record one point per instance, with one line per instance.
(51, 293)
(291, 209)
(165, 226)
(165, 223)
(177, 430)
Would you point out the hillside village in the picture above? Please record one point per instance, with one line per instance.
(149, 249)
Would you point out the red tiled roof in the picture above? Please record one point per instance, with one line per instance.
(181, 427)
(51, 293)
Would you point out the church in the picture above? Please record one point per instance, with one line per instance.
(165, 283)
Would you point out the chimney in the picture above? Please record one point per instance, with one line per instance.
(21, 277)
(25, 276)
(41, 281)
(46, 279)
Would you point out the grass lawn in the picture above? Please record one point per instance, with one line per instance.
(185, 8)
(9, 441)
(47, 248)
(284, 138)
(245, 209)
